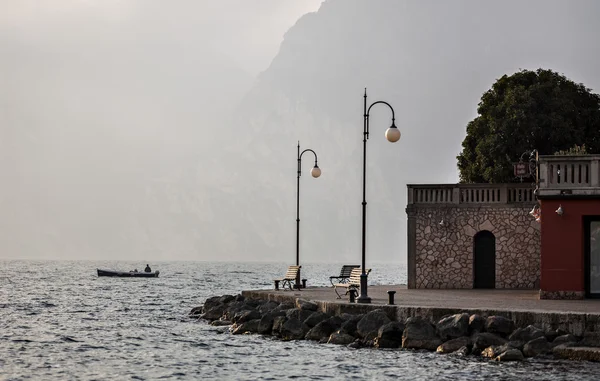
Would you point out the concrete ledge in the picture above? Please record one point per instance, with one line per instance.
(562, 295)
(577, 353)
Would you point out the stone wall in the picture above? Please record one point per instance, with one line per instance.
(441, 255)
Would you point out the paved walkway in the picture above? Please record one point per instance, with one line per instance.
(509, 300)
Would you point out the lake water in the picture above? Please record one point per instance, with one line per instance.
(59, 321)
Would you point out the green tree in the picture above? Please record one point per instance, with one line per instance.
(575, 150)
(528, 110)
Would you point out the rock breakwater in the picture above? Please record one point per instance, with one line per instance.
(495, 337)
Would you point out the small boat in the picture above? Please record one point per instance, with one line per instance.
(128, 274)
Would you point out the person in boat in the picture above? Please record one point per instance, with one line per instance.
(147, 269)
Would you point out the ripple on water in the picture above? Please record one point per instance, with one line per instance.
(74, 326)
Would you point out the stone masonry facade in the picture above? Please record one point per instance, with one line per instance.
(442, 255)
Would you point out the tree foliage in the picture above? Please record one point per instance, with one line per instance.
(575, 150)
(528, 110)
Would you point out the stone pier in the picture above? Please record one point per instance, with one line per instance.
(522, 306)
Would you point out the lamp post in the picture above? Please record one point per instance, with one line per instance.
(393, 135)
(315, 172)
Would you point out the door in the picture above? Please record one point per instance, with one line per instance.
(484, 260)
(592, 256)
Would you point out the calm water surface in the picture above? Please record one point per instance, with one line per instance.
(59, 321)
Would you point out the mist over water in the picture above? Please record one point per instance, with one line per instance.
(60, 321)
(144, 131)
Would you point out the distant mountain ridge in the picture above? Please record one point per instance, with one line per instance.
(430, 60)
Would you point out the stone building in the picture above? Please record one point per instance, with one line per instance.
(473, 236)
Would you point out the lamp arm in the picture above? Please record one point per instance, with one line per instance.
(300, 157)
(369, 110)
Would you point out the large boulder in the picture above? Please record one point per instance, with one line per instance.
(564, 339)
(494, 351)
(267, 307)
(552, 334)
(214, 312)
(453, 326)
(356, 344)
(499, 325)
(389, 335)
(246, 327)
(516, 344)
(315, 318)
(536, 347)
(476, 324)
(369, 325)
(321, 331)
(337, 321)
(526, 334)
(462, 351)
(349, 325)
(265, 326)
(252, 303)
(214, 306)
(299, 314)
(210, 303)
(302, 304)
(278, 324)
(454, 345)
(246, 315)
(234, 308)
(420, 334)
(293, 329)
(340, 338)
(511, 355)
(226, 299)
(220, 323)
(196, 311)
(484, 340)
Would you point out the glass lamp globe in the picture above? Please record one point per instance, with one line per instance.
(392, 134)
(315, 172)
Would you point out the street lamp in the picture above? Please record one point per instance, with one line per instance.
(315, 172)
(393, 135)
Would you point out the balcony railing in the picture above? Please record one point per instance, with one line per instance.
(574, 175)
(471, 194)
(570, 172)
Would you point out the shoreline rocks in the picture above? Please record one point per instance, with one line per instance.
(494, 337)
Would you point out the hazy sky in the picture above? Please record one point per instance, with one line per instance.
(101, 100)
(250, 32)
(158, 130)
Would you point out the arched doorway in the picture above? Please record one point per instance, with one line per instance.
(484, 260)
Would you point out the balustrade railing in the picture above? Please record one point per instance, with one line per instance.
(571, 172)
(470, 193)
(558, 175)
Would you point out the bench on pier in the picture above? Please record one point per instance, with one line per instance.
(344, 274)
(290, 276)
(353, 283)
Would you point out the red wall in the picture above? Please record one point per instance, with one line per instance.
(562, 248)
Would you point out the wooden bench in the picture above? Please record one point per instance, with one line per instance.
(290, 276)
(344, 274)
(353, 284)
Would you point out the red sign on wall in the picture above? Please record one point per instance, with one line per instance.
(521, 169)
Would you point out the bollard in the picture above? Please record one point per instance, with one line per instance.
(352, 295)
(276, 285)
(303, 283)
(391, 297)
